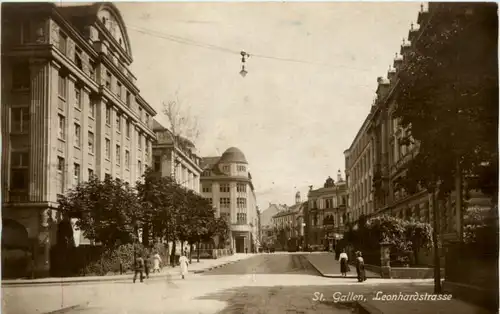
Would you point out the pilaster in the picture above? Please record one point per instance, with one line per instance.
(70, 133)
(114, 142)
(39, 130)
(52, 127)
(99, 138)
(133, 153)
(84, 127)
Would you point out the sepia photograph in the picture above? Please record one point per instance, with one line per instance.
(232, 157)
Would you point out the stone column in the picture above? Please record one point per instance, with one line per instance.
(99, 139)
(385, 260)
(70, 133)
(84, 127)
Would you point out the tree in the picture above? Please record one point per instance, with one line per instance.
(106, 210)
(447, 100)
(418, 235)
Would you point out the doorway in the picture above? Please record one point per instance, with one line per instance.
(240, 244)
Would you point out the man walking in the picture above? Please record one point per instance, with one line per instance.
(139, 268)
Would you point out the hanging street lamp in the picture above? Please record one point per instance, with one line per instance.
(244, 56)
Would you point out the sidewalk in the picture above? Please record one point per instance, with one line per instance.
(195, 267)
(328, 266)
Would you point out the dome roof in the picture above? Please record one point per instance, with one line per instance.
(233, 155)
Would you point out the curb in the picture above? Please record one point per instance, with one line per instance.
(64, 310)
(337, 276)
(100, 279)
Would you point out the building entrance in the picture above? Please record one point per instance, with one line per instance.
(240, 244)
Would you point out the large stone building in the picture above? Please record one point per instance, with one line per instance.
(70, 109)
(289, 225)
(176, 158)
(227, 184)
(359, 174)
(326, 213)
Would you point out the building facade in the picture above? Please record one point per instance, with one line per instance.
(288, 225)
(359, 174)
(326, 214)
(176, 158)
(70, 109)
(227, 184)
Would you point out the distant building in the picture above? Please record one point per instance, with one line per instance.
(327, 213)
(227, 184)
(71, 109)
(176, 158)
(289, 225)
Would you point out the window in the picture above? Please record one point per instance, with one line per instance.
(60, 174)
(241, 187)
(118, 157)
(91, 142)
(92, 69)
(140, 113)
(224, 188)
(26, 32)
(139, 167)
(147, 119)
(226, 216)
(128, 128)
(119, 90)
(107, 176)
(91, 173)
(242, 168)
(241, 218)
(205, 173)
(108, 149)
(209, 200)
(127, 159)
(19, 171)
(78, 59)
(225, 168)
(78, 98)
(139, 142)
(118, 122)
(21, 76)
(76, 173)
(20, 120)
(225, 202)
(61, 87)
(127, 98)
(108, 80)
(147, 147)
(108, 115)
(62, 42)
(241, 202)
(92, 109)
(206, 189)
(62, 127)
(157, 163)
(78, 135)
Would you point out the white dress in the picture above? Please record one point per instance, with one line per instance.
(156, 262)
(183, 261)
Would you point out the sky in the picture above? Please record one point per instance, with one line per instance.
(292, 119)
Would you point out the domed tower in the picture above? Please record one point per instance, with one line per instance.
(297, 197)
(227, 184)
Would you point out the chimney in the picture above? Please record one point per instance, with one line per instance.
(339, 176)
(398, 61)
(391, 74)
(383, 87)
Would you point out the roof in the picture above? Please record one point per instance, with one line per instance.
(233, 155)
(209, 162)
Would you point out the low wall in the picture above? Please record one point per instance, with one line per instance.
(413, 273)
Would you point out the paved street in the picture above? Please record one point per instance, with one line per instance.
(265, 283)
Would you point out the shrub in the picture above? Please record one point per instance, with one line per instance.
(110, 260)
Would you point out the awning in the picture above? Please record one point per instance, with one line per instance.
(14, 235)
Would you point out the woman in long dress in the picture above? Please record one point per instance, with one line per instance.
(184, 262)
(344, 267)
(360, 267)
(156, 262)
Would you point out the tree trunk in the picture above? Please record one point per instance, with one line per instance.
(190, 253)
(198, 249)
(145, 235)
(172, 254)
(182, 247)
(435, 230)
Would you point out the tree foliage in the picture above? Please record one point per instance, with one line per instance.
(106, 210)
(447, 96)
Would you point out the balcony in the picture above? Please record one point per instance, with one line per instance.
(18, 196)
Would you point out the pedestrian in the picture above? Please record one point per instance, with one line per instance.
(360, 267)
(147, 264)
(156, 262)
(139, 268)
(344, 266)
(184, 263)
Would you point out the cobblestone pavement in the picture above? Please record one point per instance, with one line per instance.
(225, 291)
